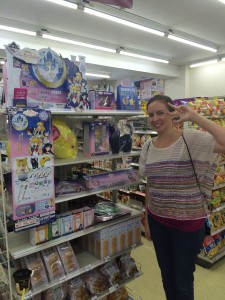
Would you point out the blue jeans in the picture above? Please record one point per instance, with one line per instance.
(176, 252)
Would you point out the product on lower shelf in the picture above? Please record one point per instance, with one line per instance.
(68, 258)
(38, 276)
(53, 264)
(77, 289)
(57, 292)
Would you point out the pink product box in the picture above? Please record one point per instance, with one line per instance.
(110, 179)
(101, 100)
(96, 138)
(88, 215)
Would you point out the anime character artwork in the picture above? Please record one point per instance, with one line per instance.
(31, 154)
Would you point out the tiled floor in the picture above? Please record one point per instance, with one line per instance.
(209, 283)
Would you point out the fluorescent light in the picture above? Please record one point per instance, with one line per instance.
(122, 21)
(64, 3)
(223, 59)
(204, 63)
(97, 75)
(144, 57)
(178, 39)
(2, 62)
(13, 29)
(68, 41)
(223, 1)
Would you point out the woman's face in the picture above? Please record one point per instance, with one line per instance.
(159, 116)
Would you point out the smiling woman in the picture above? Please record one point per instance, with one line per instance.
(176, 206)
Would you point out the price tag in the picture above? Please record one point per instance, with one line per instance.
(28, 296)
(113, 288)
(88, 267)
(107, 258)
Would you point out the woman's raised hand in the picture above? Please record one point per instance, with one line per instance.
(182, 113)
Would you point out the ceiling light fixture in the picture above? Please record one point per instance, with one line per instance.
(97, 75)
(64, 3)
(122, 21)
(223, 1)
(13, 29)
(68, 41)
(143, 57)
(178, 39)
(204, 63)
(2, 62)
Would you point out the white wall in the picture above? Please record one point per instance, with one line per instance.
(208, 80)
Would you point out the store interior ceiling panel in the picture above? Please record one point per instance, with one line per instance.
(201, 21)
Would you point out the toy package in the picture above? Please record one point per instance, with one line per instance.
(101, 100)
(127, 98)
(43, 78)
(32, 164)
(96, 138)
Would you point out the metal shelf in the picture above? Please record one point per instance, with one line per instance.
(19, 243)
(207, 262)
(95, 112)
(82, 159)
(86, 262)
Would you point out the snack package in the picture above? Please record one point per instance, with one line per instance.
(56, 292)
(210, 248)
(215, 221)
(120, 294)
(215, 199)
(112, 273)
(218, 241)
(53, 263)
(34, 263)
(68, 258)
(128, 266)
(222, 194)
(222, 213)
(77, 290)
(95, 282)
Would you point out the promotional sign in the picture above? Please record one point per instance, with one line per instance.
(32, 164)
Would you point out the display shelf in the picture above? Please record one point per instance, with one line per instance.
(222, 206)
(22, 247)
(95, 112)
(86, 262)
(207, 262)
(81, 159)
(133, 192)
(219, 186)
(74, 196)
(218, 230)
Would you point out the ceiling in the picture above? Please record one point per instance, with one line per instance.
(200, 21)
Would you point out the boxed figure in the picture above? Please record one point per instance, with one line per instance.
(127, 98)
(101, 100)
(96, 138)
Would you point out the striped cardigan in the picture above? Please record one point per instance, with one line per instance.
(174, 192)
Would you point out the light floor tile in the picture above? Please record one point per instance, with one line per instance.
(209, 283)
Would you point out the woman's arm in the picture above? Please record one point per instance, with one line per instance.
(186, 113)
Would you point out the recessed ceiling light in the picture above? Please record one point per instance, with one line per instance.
(204, 63)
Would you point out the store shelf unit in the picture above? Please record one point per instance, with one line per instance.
(23, 248)
(5, 276)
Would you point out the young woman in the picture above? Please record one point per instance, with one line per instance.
(179, 166)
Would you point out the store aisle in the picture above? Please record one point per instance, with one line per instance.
(209, 283)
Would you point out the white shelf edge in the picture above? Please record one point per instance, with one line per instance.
(222, 206)
(95, 112)
(24, 248)
(82, 159)
(218, 186)
(213, 259)
(145, 131)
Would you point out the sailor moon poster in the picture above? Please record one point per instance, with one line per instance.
(32, 164)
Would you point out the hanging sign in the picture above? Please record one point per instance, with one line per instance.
(32, 164)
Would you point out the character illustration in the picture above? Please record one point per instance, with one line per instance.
(34, 162)
(73, 100)
(84, 103)
(22, 168)
(47, 149)
(39, 131)
(35, 146)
